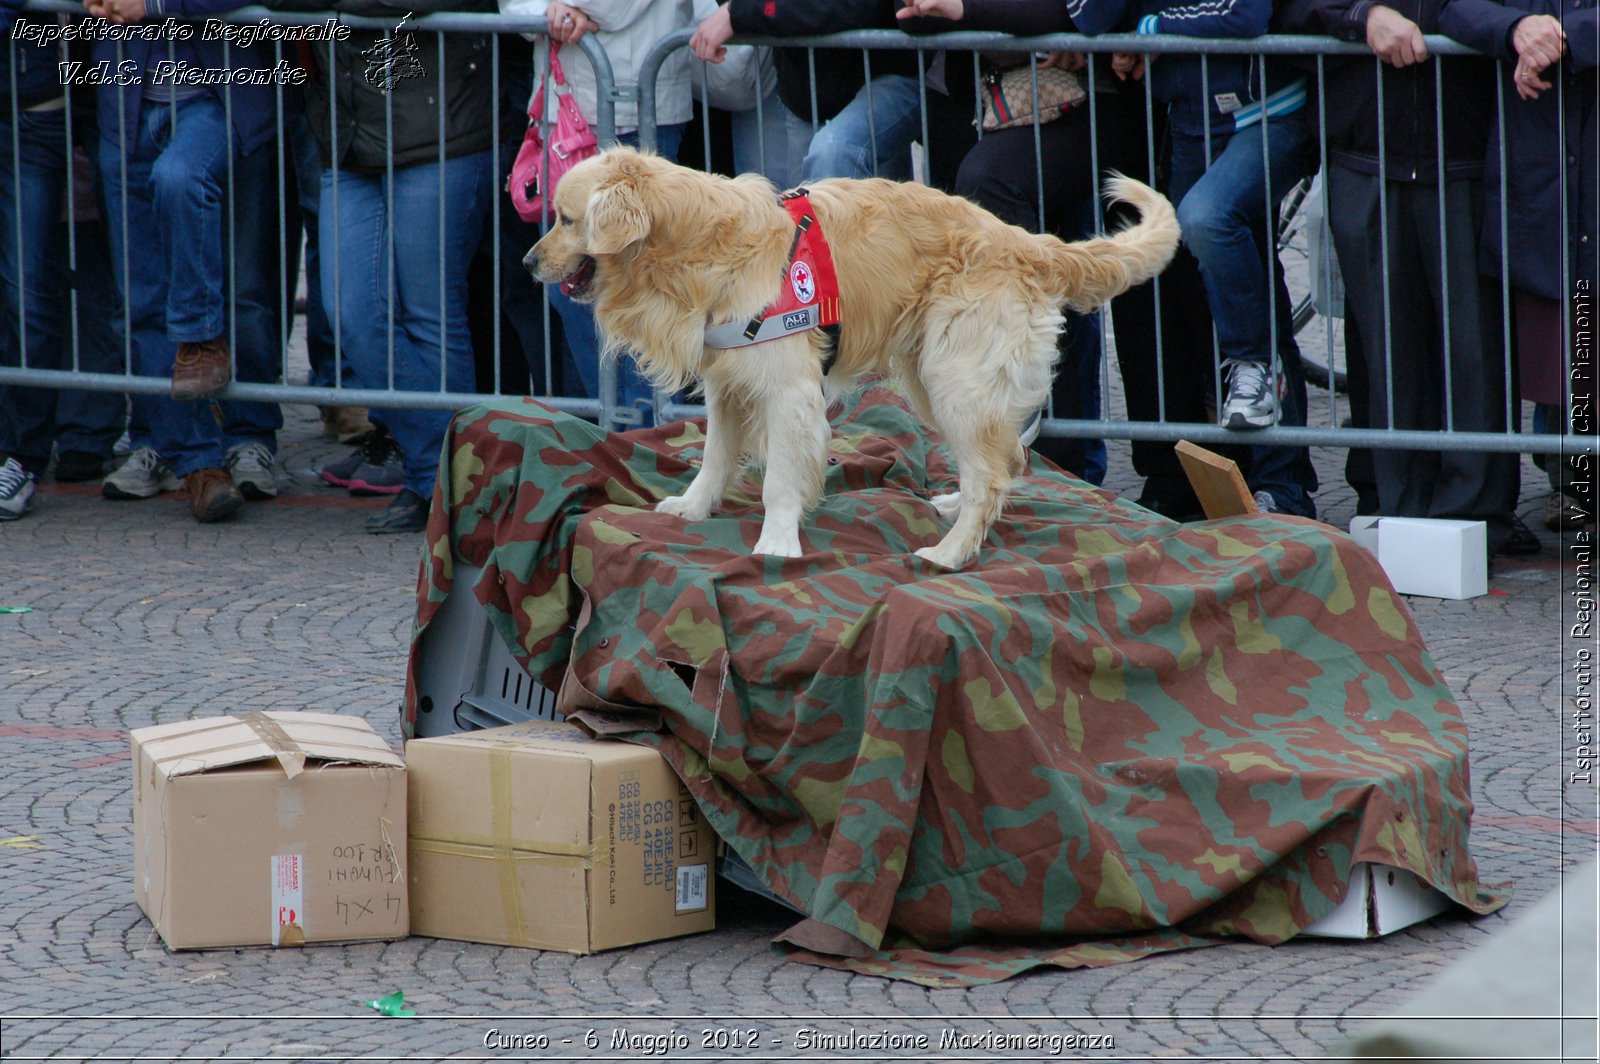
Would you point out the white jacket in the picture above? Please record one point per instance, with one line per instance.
(628, 30)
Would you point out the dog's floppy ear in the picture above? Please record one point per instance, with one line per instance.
(617, 217)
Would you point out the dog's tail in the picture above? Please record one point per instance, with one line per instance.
(1086, 273)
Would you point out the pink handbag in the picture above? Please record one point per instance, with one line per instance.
(536, 171)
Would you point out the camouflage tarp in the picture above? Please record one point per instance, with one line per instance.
(1114, 735)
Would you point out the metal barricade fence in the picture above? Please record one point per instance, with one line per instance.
(1310, 310)
(1324, 429)
(272, 386)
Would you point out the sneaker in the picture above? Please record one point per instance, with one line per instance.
(383, 472)
(212, 496)
(407, 513)
(16, 490)
(73, 467)
(144, 474)
(1252, 401)
(201, 370)
(1523, 542)
(249, 466)
(1266, 504)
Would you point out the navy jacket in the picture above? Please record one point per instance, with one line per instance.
(1411, 122)
(1536, 160)
(839, 70)
(1224, 92)
(252, 105)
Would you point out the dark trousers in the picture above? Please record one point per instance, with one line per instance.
(1429, 286)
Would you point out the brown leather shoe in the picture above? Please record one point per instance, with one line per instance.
(212, 496)
(201, 370)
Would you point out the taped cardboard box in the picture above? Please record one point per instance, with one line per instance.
(269, 829)
(538, 835)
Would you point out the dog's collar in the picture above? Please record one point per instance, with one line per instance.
(809, 296)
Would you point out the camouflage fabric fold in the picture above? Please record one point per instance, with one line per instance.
(1112, 736)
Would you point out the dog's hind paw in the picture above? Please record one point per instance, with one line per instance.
(941, 556)
(949, 506)
(782, 545)
(683, 506)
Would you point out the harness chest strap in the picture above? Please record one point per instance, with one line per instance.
(809, 295)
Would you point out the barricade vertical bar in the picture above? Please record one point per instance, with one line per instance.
(1383, 248)
(331, 178)
(1150, 161)
(1098, 207)
(1328, 252)
(122, 165)
(387, 72)
(494, 206)
(232, 227)
(285, 296)
(872, 116)
(1217, 381)
(1274, 362)
(1567, 252)
(1505, 243)
(16, 204)
(72, 229)
(444, 236)
(1444, 246)
(1038, 140)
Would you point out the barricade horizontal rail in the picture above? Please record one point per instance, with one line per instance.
(869, 41)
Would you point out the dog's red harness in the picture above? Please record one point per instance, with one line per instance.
(809, 297)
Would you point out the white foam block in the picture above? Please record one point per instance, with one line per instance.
(1438, 558)
(1364, 530)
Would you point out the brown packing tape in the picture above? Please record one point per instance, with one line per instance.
(490, 852)
(282, 745)
(500, 827)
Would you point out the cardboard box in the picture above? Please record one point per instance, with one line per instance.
(536, 835)
(1439, 558)
(269, 829)
(1382, 900)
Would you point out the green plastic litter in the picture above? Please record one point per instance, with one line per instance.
(393, 1005)
(16, 609)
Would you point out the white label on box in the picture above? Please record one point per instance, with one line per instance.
(288, 896)
(691, 887)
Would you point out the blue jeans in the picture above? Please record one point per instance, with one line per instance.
(1223, 212)
(167, 207)
(583, 340)
(367, 284)
(35, 301)
(871, 136)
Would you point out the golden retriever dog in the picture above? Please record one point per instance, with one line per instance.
(961, 309)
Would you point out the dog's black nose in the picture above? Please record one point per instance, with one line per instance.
(530, 261)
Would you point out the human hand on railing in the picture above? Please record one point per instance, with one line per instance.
(1394, 38)
(711, 37)
(567, 24)
(1127, 65)
(118, 11)
(951, 9)
(1068, 61)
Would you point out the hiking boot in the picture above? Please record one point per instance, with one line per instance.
(249, 466)
(408, 512)
(73, 467)
(1252, 401)
(347, 424)
(16, 490)
(212, 496)
(1562, 513)
(382, 472)
(144, 474)
(201, 370)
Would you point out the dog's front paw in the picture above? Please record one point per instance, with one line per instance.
(684, 506)
(782, 544)
(949, 506)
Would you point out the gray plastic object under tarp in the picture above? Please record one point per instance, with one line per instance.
(1529, 994)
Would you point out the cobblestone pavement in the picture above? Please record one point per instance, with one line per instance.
(141, 616)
